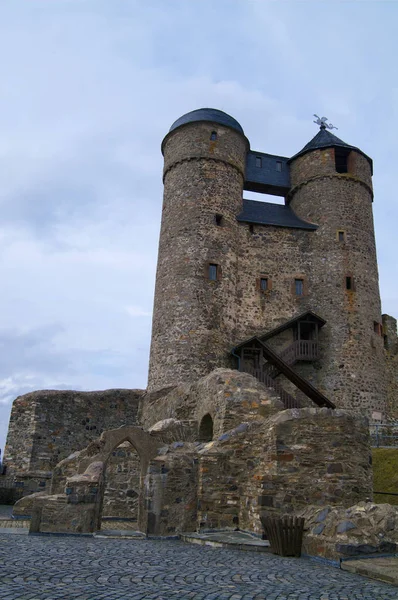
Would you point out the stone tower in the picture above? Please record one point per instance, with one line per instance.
(331, 185)
(193, 320)
(239, 278)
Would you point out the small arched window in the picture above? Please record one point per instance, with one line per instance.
(206, 429)
(213, 136)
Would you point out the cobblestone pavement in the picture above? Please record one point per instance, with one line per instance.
(68, 568)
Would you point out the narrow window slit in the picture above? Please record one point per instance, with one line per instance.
(299, 287)
(213, 272)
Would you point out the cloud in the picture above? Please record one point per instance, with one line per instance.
(87, 93)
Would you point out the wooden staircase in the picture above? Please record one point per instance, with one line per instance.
(288, 400)
(259, 360)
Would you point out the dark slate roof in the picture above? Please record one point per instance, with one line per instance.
(271, 176)
(208, 114)
(308, 315)
(325, 139)
(267, 213)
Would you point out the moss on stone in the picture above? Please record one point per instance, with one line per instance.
(385, 474)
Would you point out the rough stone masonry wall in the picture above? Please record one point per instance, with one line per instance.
(337, 532)
(194, 317)
(295, 458)
(353, 366)
(47, 426)
(171, 490)
(281, 255)
(122, 483)
(228, 396)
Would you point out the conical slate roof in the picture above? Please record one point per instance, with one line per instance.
(325, 139)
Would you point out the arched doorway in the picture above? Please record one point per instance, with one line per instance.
(121, 488)
(206, 429)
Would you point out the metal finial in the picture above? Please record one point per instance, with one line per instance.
(321, 121)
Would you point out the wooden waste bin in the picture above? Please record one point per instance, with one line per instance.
(285, 534)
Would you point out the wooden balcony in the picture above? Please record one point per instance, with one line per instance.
(306, 350)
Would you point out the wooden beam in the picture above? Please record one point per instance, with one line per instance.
(305, 386)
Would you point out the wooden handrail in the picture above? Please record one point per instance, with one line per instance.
(279, 363)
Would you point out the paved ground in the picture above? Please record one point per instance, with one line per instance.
(68, 568)
(383, 569)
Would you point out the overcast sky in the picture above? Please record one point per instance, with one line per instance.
(88, 89)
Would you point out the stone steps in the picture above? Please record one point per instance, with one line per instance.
(120, 533)
(228, 539)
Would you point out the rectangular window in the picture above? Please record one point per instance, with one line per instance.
(213, 272)
(341, 159)
(349, 283)
(341, 236)
(299, 287)
(259, 162)
(378, 328)
(279, 166)
(263, 284)
(218, 220)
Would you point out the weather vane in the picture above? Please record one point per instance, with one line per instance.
(321, 121)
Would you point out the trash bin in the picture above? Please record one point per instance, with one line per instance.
(285, 534)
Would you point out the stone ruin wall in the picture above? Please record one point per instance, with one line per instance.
(262, 459)
(230, 397)
(171, 490)
(295, 458)
(263, 467)
(47, 426)
(122, 483)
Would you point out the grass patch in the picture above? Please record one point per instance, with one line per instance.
(385, 474)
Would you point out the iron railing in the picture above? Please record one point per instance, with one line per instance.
(384, 435)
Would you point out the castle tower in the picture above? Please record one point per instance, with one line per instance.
(331, 185)
(194, 309)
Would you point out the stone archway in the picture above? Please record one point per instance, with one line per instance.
(206, 429)
(141, 447)
(77, 487)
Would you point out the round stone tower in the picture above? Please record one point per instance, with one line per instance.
(194, 308)
(331, 185)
